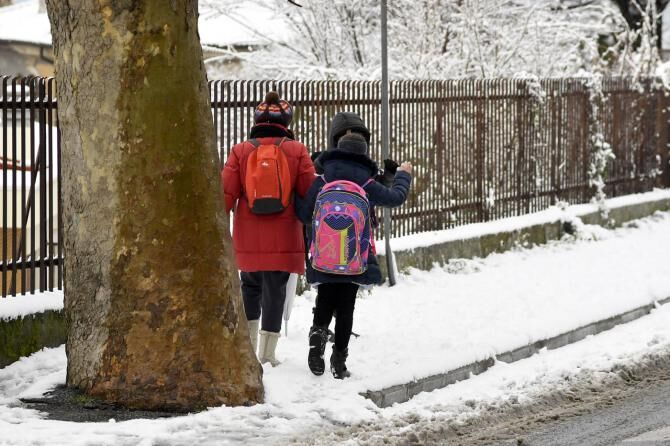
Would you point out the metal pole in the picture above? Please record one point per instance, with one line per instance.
(390, 265)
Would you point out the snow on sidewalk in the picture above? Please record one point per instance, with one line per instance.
(431, 322)
(438, 320)
(551, 378)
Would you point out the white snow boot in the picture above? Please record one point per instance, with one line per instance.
(253, 334)
(267, 347)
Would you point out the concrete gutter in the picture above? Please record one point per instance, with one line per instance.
(404, 392)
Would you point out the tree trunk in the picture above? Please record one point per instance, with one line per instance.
(151, 291)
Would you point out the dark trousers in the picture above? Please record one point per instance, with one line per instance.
(337, 298)
(264, 293)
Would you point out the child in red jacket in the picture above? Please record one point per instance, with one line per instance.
(267, 247)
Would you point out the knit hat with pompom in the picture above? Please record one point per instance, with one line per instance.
(273, 110)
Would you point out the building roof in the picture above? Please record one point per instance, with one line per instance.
(247, 23)
(22, 22)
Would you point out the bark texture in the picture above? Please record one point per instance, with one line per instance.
(151, 290)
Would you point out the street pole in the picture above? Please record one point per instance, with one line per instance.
(390, 264)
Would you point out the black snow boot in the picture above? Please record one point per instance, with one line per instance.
(318, 337)
(338, 365)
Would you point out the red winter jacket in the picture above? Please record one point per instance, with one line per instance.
(267, 242)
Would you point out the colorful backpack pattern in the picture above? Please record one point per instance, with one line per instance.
(341, 233)
(267, 182)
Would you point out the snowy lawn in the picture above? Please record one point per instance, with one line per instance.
(430, 323)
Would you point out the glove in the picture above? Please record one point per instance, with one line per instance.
(387, 175)
(390, 166)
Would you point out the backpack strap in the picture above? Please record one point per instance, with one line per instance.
(256, 143)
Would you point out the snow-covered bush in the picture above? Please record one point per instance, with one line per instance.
(601, 151)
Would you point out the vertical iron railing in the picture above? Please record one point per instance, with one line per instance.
(482, 150)
(31, 222)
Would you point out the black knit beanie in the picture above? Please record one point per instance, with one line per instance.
(353, 143)
(344, 121)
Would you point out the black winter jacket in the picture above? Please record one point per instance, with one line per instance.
(340, 165)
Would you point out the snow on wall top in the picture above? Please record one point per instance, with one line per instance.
(247, 23)
(549, 215)
(14, 307)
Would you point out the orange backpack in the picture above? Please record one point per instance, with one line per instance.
(268, 180)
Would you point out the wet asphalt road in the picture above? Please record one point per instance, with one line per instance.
(640, 419)
(630, 406)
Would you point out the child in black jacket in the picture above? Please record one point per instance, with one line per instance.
(337, 293)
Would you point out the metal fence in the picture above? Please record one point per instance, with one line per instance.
(31, 223)
(482, 149)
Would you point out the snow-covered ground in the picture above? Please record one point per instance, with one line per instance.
(431, 322)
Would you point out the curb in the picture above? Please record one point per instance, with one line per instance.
(404, 392)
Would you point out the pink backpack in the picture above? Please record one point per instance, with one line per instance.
(341, 232)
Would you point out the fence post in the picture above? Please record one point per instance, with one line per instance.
(521, 155)
(441, 147)
(390, 265)
(480, 154)
(645, 112)
(554, 120)
(587, 112)
(663, 129)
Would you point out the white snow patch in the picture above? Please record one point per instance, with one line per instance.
(14, 307)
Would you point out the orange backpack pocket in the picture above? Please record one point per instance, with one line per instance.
(268, 179)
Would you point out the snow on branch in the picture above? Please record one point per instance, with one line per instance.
(601, 150)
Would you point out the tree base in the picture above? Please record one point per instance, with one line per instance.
(68, 404)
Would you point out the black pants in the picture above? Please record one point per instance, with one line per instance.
(264, 293)
(340, 298)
